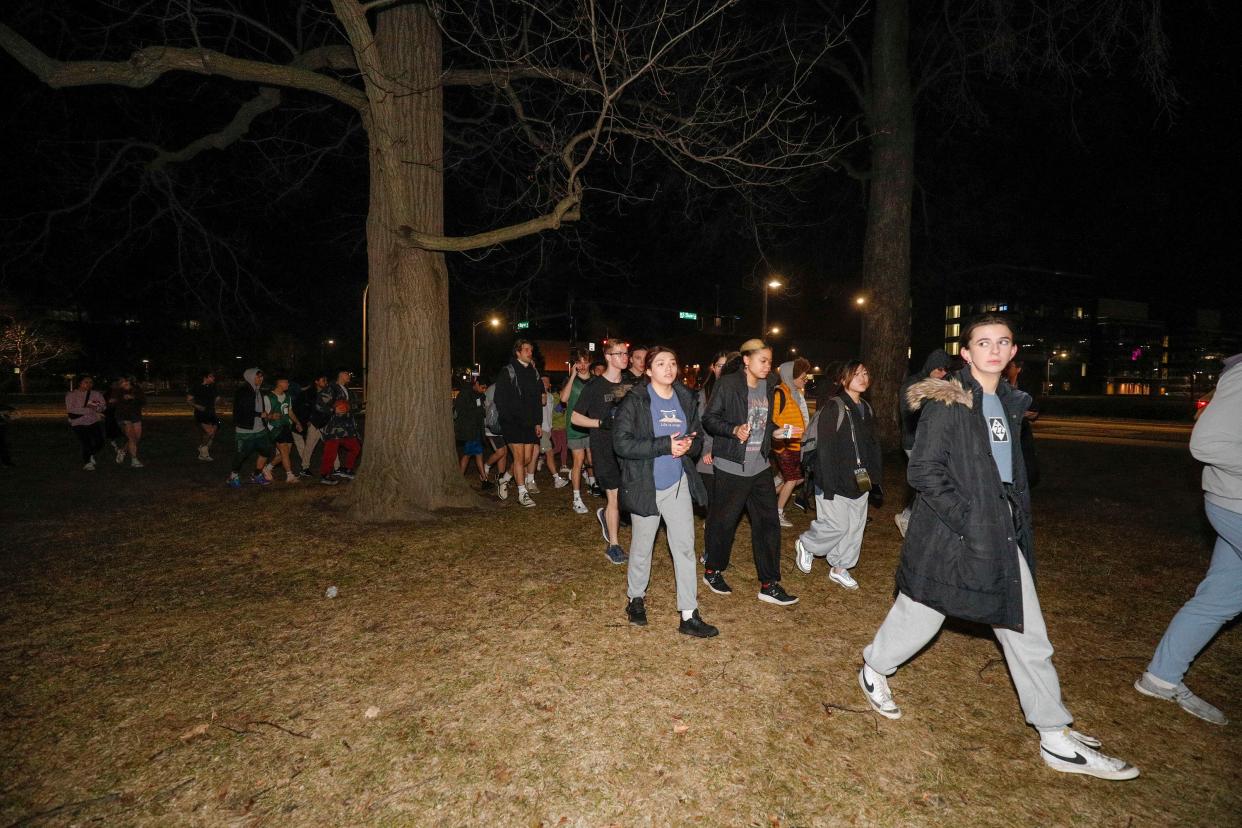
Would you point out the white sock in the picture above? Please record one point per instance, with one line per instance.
(521, 490)
(487, 469)
(686, 615)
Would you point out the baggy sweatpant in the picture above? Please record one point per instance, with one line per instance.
(837, 531)
(910, 625)
(676, 509)
(733, 494)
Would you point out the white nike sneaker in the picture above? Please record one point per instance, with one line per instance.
(1062, 752)
(579, 506)
(875, 688)
(559, 482)
(842, 577)
(804, 559)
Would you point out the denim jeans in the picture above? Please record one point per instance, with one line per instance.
(1215, 603)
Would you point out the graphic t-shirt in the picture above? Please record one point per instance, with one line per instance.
(571, 432)
(999, 435)
(279, 405)
(757, 418)
(667, 419)
(597, 401)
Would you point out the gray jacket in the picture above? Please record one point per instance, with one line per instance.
(1217, 440)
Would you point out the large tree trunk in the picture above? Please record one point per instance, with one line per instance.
(886, 250)
(409, 468)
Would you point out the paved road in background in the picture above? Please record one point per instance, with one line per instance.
(1118, 432)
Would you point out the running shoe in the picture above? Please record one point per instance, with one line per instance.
(716, 583)
(135, 463)
(785, 522)
(559, 482)
(234, 482)
(616, 554)
(636, 611)
(260, 478)
(579, 506)
(803, 558)
(524, 500)
(774, 593)
(695, 626)
(842, 577)
(502, 489)
(329, 480)
(532, 486)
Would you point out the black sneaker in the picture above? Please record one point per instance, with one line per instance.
(636, 609)
(345, 474)
(697, 627)
(774, 593)
(716, 583)
(329, 480)
(305, 473)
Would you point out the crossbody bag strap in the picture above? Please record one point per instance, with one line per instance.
(853, 435)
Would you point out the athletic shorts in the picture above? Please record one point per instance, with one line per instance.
(518, 433)
(607, 469)
(283, 437)
(495, 441)
(206, 418)
(790, 464)
(471, 448)
(259, 442)
(580, 443)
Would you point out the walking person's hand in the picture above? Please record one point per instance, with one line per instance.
(681, 444)
(742, 432)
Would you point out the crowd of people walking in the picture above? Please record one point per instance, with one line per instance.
(747, 441)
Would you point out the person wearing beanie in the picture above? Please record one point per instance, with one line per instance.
(250, 412)
(936, 366)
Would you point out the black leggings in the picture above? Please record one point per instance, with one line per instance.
(92, 439)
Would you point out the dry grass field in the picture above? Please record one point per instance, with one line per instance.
(168, 656)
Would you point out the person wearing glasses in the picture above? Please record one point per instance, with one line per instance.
(250, 410)
(341, 434)
(594, 410)
(740, 422)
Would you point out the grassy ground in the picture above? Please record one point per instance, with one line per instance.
(168, 656)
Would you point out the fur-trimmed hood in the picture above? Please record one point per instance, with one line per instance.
(947, 391)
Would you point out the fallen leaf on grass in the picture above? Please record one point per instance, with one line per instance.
(195, 732)
(680, 728)
(372, 712)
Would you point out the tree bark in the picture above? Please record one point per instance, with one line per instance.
(886, 248)
(410, 469)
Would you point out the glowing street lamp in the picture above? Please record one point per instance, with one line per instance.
(775, 330)
(494, 322)
(769, 285)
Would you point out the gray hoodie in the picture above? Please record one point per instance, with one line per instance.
(1217, 440)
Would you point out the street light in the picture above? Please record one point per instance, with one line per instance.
(775, 330)
(494, 321)
(770, 284)
(860, 302)
(146, 370)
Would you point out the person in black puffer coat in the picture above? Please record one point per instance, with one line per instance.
(969, 551)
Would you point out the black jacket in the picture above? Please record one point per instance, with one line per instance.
(468, 416)
(960, 555)
(835, 460)
(519, 397)
(908, 416)
(244, 415)
(728, 409)
(635, 444)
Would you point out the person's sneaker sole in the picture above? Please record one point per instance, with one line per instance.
(603, 524)
(1059, 764)
(888, 714)
(802, 558)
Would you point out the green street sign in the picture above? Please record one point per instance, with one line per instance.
(691, 315)
(523, 325)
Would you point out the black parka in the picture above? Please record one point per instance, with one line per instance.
(835, 457)
(729, 408)
(637, 447)
(960, 555)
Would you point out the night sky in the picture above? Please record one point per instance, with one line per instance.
(1097, 179)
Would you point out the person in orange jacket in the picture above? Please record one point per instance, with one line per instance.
(789, 410)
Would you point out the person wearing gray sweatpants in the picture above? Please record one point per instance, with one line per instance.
(655, 437)
(969, 551)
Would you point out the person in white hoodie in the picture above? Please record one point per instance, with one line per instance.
(1217, 442)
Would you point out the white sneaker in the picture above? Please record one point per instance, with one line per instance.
(206, 457)
(875, 688)
(135, 463)
(559, 482)
(1157, 688)
(502, 489)
(803, 558)
(532, 486)
(902, 519)
(579, 506)
(89, 466)
(784, 521)
(1062, 752)
(290, 477)
(267, 473)
(842, 577)
(524, 500)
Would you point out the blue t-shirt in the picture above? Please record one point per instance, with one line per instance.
(999, 435)
(667, 419)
